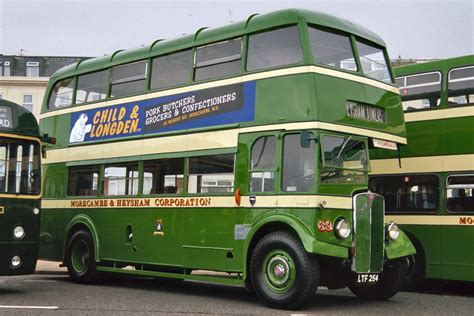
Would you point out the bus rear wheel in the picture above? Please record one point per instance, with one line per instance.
(390, 281)
(283, 274)
(80, 259)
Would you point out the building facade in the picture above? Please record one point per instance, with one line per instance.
(23, 79)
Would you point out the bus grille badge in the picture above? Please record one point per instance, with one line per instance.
(159, 228)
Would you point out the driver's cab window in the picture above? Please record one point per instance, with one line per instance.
(344, 160)
(262, 165)
(298, 164)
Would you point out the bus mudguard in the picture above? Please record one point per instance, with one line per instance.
(307, 238)
(83, 220)
(400, 247)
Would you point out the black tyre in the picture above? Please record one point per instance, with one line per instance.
(80, 258)
(283, 274)
(390, 282)
(415, 271)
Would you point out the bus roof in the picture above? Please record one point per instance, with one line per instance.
(20, 120)
(203, 36)
(438, 65)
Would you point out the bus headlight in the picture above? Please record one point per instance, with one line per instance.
(342, 228)
(36, 211)
(18, 232)
(392, 231)
(16, 261)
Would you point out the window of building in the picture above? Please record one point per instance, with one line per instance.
(373, 62)
(274, 48)
(32, 69)
(120, 179)
(163, 176)
(461, 86)
(332, 49)
(6, 69)
(298, 165)
(128, 79)
(170, 70)
(83, 181)
(92, 87)
(211, 174)
(408, 193)
(420, 91)
(262, 165)
(460, 193)
(62, 94)
(218, 60)
(28, 102)
(1, 96)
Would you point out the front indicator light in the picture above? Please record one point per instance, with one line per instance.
(342, 228)
(392, 231)
(18, 232)
(16, 261)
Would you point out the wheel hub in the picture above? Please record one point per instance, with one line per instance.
(278, 271)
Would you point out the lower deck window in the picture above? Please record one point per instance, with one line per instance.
(408, 193)
(120, 179)
(83, 181)
(211, 174)
(460, 193)
(163, 176)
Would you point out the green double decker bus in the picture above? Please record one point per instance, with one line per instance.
(241, 149)
(432, 194)
(20, 189)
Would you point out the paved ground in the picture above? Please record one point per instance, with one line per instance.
(51, 293)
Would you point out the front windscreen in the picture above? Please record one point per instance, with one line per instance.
(19, 166)
(373, 62)
(344, 160)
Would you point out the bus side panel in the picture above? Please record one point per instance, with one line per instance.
(458, 251)
(430, 238)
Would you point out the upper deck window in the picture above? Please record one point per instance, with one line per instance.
(170, 70)
(332, 49)
(420, 91)
(274, 48)
(62, 94)
(128, 79)
(373, 62)
(218, 60)
(461, 86)
(92, 87)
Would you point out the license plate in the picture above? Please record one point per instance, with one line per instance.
(367, 278)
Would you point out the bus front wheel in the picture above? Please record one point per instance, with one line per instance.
(283, 274)
(390, 281)
(80, 259)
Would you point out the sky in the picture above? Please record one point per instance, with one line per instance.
(411, 29)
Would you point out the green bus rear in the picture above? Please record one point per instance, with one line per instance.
(20, 189)
(432, 194)
(233, 149)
